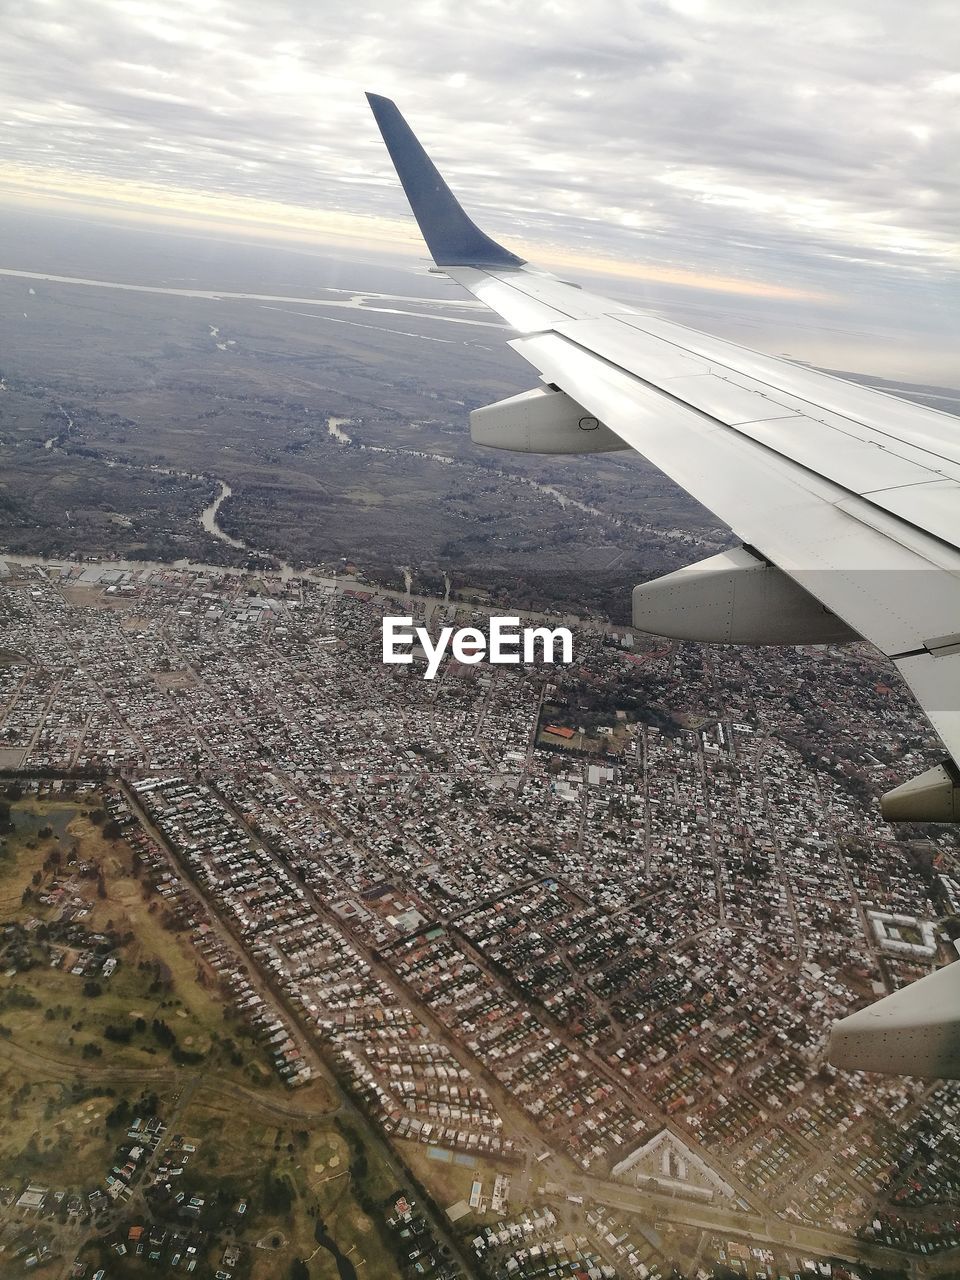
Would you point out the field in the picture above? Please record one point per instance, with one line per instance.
(289, 1173)
(158, 976)
(450, 1181)
(122, 411)
(84, 1053)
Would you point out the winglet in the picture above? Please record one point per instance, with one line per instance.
(452, 238)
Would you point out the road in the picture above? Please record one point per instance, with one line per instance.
(318, 1052)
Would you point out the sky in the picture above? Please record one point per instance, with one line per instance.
(802, 157)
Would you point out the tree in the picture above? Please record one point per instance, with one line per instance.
(165, 1036)
(119, 1115)
(277, 1196)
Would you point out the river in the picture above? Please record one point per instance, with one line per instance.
(48, 444)
(345, 1267)
(208, 518)
(350, 299)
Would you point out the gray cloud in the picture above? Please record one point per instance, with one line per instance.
(814, 143)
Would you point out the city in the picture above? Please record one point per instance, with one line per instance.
(569, 938)
(479, 641)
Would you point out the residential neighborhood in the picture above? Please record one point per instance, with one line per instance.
(570, 938)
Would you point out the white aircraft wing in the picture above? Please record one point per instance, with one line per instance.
(846, 500)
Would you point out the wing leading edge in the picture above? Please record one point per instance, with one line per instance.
(847, 500)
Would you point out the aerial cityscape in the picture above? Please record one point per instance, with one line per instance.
(556, 950)
(382, 895)
(547, 955)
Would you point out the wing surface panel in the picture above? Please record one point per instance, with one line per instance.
(917, 428)
(894, 594)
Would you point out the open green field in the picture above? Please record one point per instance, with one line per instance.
(73, 1046)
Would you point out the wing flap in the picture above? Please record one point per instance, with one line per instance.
(853, 455)
(934, 680)
(727, 401)
(913, 426)
(933, 506)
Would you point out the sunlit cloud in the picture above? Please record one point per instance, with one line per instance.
(178, 207)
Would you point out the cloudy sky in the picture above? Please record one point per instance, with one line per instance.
(808, 151)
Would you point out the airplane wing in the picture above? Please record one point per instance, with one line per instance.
(846, 500)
